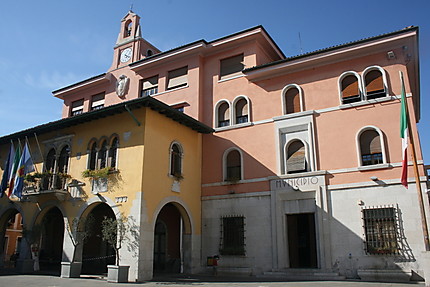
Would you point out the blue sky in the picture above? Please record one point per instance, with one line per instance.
(48, 44)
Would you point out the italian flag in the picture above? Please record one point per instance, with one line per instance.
(404, 134)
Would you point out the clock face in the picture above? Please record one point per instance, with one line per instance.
(126, 55)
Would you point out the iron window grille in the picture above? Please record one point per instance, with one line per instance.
(232, 235)
(381, 230)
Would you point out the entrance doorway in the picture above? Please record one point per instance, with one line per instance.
(51, 241)
(97, 253)
(11, 239)
(168, 240)
(302, 240)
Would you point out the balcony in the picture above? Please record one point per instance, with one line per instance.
(45, 183)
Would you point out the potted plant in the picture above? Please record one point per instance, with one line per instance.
(99, 178)
(78, 234)
(114, 232)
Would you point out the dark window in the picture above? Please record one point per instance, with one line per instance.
(374, 85)
(98, 101)
(296, 157)
(150, 86)
(241, 111)
(149, 53)
(177, 78)
(292, 101)
(102, 155)
(350, 90)
(50, 161)
(63, 160)
(233, 166)
(77, 107)
(380, 226)
(176, 161)
(232, 236)
(231, 67)
(223, 115)
(370, 148)
(93, 156)
(113, 150)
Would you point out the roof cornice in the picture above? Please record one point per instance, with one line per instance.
(112, 110)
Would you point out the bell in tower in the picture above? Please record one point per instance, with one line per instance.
(130, 46)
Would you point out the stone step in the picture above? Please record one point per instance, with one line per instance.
(304, 274)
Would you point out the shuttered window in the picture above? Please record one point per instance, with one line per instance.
(374, 84)
(233, 165)
(98, 101)
(149, 86)
(223, 115)
(231, 67)
(292, 101)
(370, 147)
(177, 78)
(296, 157)
(77, 107)
(241, 111)
(350, 90)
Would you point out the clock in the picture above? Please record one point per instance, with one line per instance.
(126, 55)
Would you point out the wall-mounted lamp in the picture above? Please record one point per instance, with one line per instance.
(374, 178)
(391, 55)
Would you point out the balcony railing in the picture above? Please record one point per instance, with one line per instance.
(43, 182)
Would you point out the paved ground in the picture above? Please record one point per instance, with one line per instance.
(184, 281)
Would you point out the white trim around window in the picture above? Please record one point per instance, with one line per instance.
(358, 144)
(224, 162)
(360, 84)
(384, 79)
(233, 119)
(216, 108)
(285, 90)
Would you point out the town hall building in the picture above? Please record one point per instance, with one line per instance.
(283, 166)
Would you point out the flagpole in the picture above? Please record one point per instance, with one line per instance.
(40, 151)
(417, 177)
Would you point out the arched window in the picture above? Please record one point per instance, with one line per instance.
(241, 109)
(223, 115)
(102, 155)
(50, 161)
(370, 147)
(113, 150)
(176, 160)
(63, 159)
(350, 88)
(292, 101)
(92, 156)
(233, 166)
(374, 83)
(296, 157)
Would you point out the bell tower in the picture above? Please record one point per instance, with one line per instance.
(130, 46)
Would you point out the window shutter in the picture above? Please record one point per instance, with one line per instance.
(296, 160)
(98, 100)
(223, 112)
(231, 67)
(370, 142)
(77, 105)
(350, 87)
(374, 82)
(233, 165)
(292, 99)
(150, 82)
(178, 78)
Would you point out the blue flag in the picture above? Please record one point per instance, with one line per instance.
(25, 166)
(7, 170)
